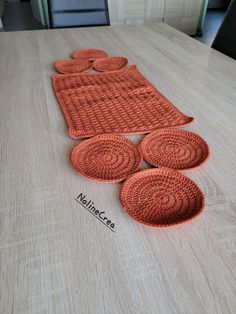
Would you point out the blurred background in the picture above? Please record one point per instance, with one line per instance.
(198, 18)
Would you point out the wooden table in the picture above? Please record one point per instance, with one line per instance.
(55, 257)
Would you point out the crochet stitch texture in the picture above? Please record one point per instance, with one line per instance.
(119, 102)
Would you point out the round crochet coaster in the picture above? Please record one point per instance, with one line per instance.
(176, 149)
(109, 64)
(88, 54)
(72, 66)
(107, 158)
(161, 197)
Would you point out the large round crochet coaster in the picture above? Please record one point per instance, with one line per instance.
(72, 66)
(161, 197)
(176, 149)
(109, 64)
(88, 54)
(107, 158)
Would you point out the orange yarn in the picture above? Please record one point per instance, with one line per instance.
(176, 149)
(117, 102)
(72, 66)
(107, 158)
(109, 64)
(123, 101)
(161, 197)
(88, 54)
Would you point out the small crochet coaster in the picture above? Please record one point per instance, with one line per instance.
(116, 102)
(176, 149)
(107, 158)
(72, 66)
(88, 54)
(161, 197)
(109, 64)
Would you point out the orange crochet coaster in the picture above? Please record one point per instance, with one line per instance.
(176, 149)
(88, 54)
(109, 64)
(107, 158)
(161, 197)
(118, 102)
(72, 66)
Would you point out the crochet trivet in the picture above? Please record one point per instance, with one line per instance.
(117, 102)
(109, 64)
(88, 54)
(107, 158)
(176, 149)
(72, 66)
(161, 197)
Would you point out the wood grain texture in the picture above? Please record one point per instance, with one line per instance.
(180, 14)
(116, 11)
(183, 14)
(57, 258)
(154, 10)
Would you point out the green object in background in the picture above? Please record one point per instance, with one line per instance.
(202, 17)
(45, 12)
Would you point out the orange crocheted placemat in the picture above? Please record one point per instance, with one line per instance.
(109, 64)
(88, 54)
(72, 66)
(161, 197)
(107, 158)
(176, 149)
(117, 102)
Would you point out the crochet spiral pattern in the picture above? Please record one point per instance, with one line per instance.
(161, 197)
(109, 64)
(107, 158)
(88, 54)
(117, 102)
(120, 100)
(72, 66)
(176, 149)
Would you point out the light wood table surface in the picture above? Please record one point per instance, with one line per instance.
(55, 257)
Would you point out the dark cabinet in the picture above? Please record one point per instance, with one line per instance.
(75, 13)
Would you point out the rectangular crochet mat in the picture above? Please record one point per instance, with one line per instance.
(118, 102)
